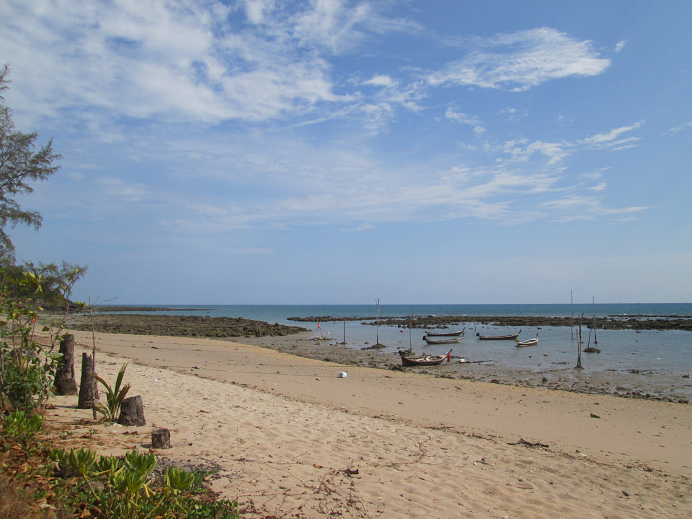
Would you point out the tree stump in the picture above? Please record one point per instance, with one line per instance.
(88, 394)
(161, 439)
(65, 383)
(132, 411)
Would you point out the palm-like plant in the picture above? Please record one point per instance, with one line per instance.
(114, 396)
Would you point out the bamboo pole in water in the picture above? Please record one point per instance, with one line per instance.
(593, 303)
(571, 323)
(378, 323)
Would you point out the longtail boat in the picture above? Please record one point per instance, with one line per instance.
(510, 337)
(530, 342)
(445, 334)
(424, 360)
(444, 340)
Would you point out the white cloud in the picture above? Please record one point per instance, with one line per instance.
(601, 138)
(466, 119)
(180, 59)
(678, 128)
(380, 80)
(521, 60)
(620, 45)
(574, 207)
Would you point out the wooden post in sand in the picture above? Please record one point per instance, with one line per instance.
(161, 439)
(132, 411)
(65, 383)
(87, 386)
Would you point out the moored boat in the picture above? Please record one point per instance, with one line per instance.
(530, 342)
(424, 360)
(443, 340)
(498, 337)
(445, 334)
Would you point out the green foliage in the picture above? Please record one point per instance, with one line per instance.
(56, 282)
(27, 370)
(114, 396)
(129, 495)
(20, 428)
(20, 168)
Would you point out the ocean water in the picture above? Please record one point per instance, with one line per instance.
(664, 352)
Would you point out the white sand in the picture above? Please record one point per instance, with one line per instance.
(423, 447)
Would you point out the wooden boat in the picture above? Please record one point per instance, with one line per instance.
(445, 334)
(424, 360)
(444, 340)
(509, 337)
(530, 342)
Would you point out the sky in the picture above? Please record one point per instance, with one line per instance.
(334, 152)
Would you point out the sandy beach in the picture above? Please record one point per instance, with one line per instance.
(291, 439)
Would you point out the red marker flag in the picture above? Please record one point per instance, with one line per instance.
(449, 355)
(318, 324)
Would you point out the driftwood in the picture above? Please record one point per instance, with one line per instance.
(65, 383)
(132, 411)
(161, 439)
(522, 441)
(88, 393)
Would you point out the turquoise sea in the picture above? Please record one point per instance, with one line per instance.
(660, 352)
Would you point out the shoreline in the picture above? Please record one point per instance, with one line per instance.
(632, 383)
(291, 438)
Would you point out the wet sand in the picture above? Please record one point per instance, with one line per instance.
(297, 341)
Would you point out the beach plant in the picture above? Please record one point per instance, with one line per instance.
(130, 493)
(18, 427)
(27, 370)
(114, 396)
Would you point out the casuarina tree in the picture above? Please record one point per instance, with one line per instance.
(20, 164)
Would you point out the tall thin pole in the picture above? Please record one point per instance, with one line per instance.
(410, 333)
(593, 303)
(579, 366)
(378, 322)
(571, 305)
(474, 322)
(344, 331)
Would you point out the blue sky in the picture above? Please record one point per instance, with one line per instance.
(327, 151)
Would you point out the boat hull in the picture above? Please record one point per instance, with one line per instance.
(451, 340)
(448, 334)
(511, 337)
(423, 361)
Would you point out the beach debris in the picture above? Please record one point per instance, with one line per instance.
(626, 494)
(342, 374)
(350, 472)
(522, 441)
(132, 411)
(482, 461)
(161, 439)
(594, 416)
(686, 376)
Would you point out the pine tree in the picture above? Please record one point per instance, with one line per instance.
(19, 165)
